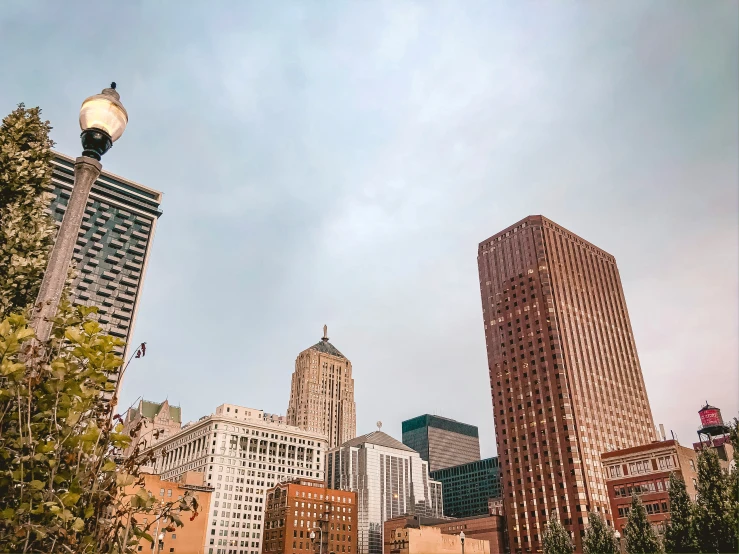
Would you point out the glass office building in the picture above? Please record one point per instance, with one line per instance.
(390, 480)
(468, 487)
(442, 442)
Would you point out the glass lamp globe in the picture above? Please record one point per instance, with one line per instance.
(102, 120)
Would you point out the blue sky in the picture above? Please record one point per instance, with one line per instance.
(339, 162)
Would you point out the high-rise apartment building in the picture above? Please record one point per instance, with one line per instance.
(304, 516)
(469, 487)
(564, 373)
(241, 454)
(390, 480)
(322, 393)
(442, 442)
(113, 244)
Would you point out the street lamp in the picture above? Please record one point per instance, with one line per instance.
(617, 536)
(320, 539)
(102, 120)
(461, 538)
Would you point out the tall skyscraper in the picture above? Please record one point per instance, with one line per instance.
(390, 480)
(564, 374)
(322, 393)
(442, 442)
(113, 245)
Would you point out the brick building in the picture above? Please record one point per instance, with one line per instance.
(645, 471)
(297, 509)
(565, 377)
(189, 538)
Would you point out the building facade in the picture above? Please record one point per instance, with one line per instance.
(189, 538)
(565, 377)
(645, 471)
(431, 540)
(302, 507)
(322, 393)
(240, 455)
(489, 528)
(442, 442)
(468, 487)
(390, 479)
(113, 245)
(155, 421)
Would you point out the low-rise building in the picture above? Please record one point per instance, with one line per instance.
(240, 455)
(430, 540)
(304, 516)
(489, 528)
(645, 471)
(189, 538)
(468, 487)
(724, 450)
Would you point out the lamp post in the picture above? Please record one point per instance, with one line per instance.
(617, 536)
(461, 538)
(320, 539)
(102, 120)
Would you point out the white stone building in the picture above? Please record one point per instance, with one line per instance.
(241, 454)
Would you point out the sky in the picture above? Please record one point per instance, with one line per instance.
(338, 163)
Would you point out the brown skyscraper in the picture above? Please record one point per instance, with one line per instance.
(564, 375)
(322, 393)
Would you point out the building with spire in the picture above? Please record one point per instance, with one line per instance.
(154, 422)
(322, 393)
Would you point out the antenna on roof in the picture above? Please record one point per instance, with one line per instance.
(379, 425)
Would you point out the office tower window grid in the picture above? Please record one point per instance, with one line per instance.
(112, 246)
(468, 487)
(565, 377)
(322, 393)
(442, 442)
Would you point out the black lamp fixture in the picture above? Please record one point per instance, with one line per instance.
(102, 120)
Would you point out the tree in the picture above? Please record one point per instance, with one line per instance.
(556, 539)
(712, 525)
(26, 231)
(678, 533)
(733, 512)
(65, 486)
(640, 537)
(599, 538)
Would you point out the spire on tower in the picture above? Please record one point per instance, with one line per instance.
(325, 333)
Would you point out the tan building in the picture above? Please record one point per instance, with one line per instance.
(322, 393)
(430, 540)
(645, 471)
(565, 377)
(488, 529)
(158, 421)
(297, 509)
(190, 538)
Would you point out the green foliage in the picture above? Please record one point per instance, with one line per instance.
(26, 230)
(733, 511)
(640, 537)
(599, 538)
(678, 534)
(65, 486)
(556, 539)
(713, 528)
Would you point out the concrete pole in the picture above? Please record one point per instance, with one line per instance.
(86, 171)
